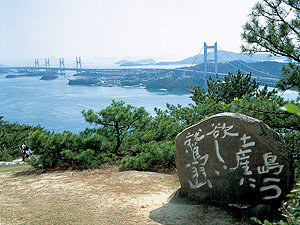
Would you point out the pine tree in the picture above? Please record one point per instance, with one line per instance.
(117, 120)
(274, 27)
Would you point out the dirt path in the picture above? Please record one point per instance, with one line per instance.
(103, 196)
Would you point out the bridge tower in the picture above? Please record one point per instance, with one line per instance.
(215, 48)
(36, 64)
(78, 63)
(61, 65)
(47, 64)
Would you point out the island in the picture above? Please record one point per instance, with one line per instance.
(49, 77)
(46, 75)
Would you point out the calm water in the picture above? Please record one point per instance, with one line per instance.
(57, 106)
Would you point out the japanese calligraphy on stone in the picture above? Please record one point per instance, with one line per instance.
(221, 154)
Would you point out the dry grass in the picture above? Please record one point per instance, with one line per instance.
(102, 196)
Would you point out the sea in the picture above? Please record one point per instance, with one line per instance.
(57, 106)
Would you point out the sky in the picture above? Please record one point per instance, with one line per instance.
(158, 29)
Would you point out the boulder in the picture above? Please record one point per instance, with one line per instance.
(231, 158)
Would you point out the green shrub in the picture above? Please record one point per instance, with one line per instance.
(150, 156)
(34, 162)
(6, 157)
(85, 159)
(66, 150)
(293, 206)
(12, 135)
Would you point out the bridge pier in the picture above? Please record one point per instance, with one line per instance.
(47, 64)
(62, 66)
(78, 63)
(36, 64)
(215, 48)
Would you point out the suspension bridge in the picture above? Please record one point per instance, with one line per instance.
(117, 72)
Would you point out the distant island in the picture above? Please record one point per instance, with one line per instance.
(49, 77)
(177, 80)
(45, 75)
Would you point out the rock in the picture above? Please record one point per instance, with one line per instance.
(11, 163)
(233, 159)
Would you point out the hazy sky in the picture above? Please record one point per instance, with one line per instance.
(161, 29)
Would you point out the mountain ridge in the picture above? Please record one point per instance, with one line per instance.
(223, 57)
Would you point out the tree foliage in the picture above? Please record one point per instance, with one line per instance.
(117, 121)
(65, 150)
(240, 94)
(274, 27)
(291, 77)
(12, 135)
(233, 86)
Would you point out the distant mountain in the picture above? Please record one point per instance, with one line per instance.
(140, 62)
(223, 57)
(146, 61)
(226, 56)
(123, 61)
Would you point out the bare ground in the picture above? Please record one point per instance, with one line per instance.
(101, 196)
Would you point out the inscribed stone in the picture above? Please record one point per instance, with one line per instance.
(233, 158)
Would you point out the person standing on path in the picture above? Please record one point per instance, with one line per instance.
(23, 149)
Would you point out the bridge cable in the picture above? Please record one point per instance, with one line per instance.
(236, 66)
(233, 65)
(197, 56)
(244, 64)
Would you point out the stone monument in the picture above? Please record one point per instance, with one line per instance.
(231, 158)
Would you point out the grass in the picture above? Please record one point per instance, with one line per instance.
(14, 168)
